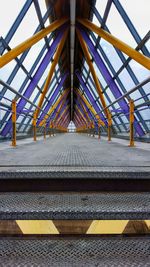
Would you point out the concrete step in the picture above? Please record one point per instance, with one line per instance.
(102, 252)
(74, 206)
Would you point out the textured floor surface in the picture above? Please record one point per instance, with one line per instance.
(74, 150)
(58, 206)
(103, 252)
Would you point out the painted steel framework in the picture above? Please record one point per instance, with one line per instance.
(92, 90)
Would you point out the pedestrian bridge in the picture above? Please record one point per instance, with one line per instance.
(74, 133)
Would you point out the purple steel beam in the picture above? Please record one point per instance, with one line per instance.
(83, 122)
(79, 103)
(63, 111)
(78, 119)
(81, 109)
(52, 117)
(108, 78)
(89, 95)
(56, 109)
(87, 109)
(63, 108)
(46, 60)
(53, 97)
(79, 115)
(65, 121)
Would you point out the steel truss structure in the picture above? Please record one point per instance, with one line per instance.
(81, 71)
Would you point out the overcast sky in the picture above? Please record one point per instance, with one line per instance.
(138, 11)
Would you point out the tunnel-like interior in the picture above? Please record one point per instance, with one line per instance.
(74, 133)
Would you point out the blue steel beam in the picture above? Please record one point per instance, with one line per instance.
(89, 95)
(121, 56)
(106, 13)
(23, 56)
(46, 60)
(108, 99)
(36, 98)
(39, 15)
(133, 77)
(115, 74)
(108, 78)
(17, 23)
(130, 26)
(53, 97)
(17, 67)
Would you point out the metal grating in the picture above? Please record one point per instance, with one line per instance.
(75, 206)
(74, 150)
(102, 252)
(67, 172)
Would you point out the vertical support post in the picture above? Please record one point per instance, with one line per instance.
(99, 132)
(93, 130)
(109, 126)
(45, 129)
(50, 129)
(34, 126)
(53, 128)
(14, 123)
(131, 103)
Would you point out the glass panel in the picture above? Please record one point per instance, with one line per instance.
(18, 79)
(44, 76)
(121, 31)
(145, 114)
(6, 70)
(26, 28)
(126, 80)
(43, 7)
(136, 10)
(8, 12)
(99, 75)
(141, 72)
(101, 5)
(32, 55)
(111, 54)
(95, 20)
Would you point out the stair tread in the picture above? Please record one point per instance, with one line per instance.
(110, 251)
(74, 206)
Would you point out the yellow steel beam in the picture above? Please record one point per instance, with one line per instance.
(80, 120)
(64, 94)
(109, 127)
(88, 58)
(6, 58)
(45, 130)
(85, 112)
(50, 74)
(62, 114)
(131, 103)
(81, 114)
(34, 126)
(100, 122)
(57, 113)
(128, 50)
(14, 123)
